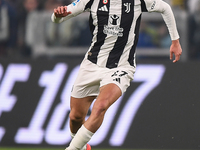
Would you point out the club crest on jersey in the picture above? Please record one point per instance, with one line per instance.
(105, 1)
(113, 27)
(75, 2)
(128, 7)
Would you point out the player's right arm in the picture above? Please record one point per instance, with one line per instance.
(63, 13)
(60, 13)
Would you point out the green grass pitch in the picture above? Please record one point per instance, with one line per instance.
(57, 149)
(63, 149)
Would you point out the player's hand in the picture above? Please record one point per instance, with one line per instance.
(176, 50)
(61, 11)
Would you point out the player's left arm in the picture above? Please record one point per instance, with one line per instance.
(168, 16)
(176, 50)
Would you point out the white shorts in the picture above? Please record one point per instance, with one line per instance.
(91, 77)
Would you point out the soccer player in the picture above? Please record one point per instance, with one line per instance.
(109, 65)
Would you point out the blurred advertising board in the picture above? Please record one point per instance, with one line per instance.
(159, 110)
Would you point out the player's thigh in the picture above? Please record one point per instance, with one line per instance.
(80, 106)
(108, 95)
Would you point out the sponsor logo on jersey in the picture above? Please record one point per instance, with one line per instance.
(103, 8)
(113, 27)
(75, 2)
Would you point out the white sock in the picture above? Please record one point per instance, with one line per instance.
(81, 138)
(73, 135)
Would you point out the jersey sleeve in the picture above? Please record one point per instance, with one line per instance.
(76, 8)
(166, 12)
(152, 5)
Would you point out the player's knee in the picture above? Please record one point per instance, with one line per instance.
(100, 108)
(76, 117)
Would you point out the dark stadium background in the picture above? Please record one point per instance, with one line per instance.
(165, 111)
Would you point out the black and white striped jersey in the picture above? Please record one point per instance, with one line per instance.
(114, 25)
